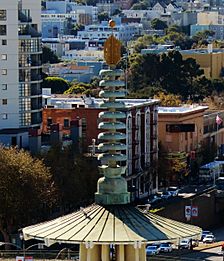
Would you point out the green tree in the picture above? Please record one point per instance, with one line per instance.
(158, 24)
(77, 88)
(49, 56)
(58, 85)
(168, 99)
(103, 16)
(142, 5)
(26, 190)
(76, 28)
(76, 180)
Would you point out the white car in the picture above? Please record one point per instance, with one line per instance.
(173, 191)
(205, 233)
(209, 239)
(152, 250)
(165, 247)
(184, 244)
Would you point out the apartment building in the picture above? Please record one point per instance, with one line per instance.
(141, 132)
(20, 69)
(124, 32)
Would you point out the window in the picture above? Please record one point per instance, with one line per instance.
(4, 56)
(49, 122)
(2, 15)
(4, 71)
(4, 42)
(66, 123)
(4, 101)
(4, 87)
(4, 116)
(2, 29)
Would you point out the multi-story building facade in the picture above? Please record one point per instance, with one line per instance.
(124, 32)
(20, 67)
(55, 25)
(211, 60)
(141, 132)
(181, 128)
(218, 30)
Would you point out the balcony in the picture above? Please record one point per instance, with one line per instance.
(28, 30)
(24, 18)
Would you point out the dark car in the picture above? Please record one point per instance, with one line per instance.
(154, 199)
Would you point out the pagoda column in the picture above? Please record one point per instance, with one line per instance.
(82, 252)
(94, 253)
(120, 253)
(105, 252)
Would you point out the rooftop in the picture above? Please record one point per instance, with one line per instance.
(181, 110)
(117, 224)
(68, 101)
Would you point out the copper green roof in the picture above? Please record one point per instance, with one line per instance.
(117, 224)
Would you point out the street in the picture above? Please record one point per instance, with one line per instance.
(212, 254)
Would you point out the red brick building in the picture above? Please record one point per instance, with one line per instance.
(141, 130)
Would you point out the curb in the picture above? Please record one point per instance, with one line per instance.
(209, 246)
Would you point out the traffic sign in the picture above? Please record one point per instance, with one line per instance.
(188, 212)
(194, 211)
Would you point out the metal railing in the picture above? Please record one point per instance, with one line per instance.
(42, 254)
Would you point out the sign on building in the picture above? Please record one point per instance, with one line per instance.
(194, 211)
(188, 212)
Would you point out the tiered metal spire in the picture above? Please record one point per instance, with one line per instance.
(112, 188)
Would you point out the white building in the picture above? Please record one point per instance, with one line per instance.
(65, 6)
(20, 69)
(142, 14)
(124, 32)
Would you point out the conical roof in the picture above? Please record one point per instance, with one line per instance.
(117, 224)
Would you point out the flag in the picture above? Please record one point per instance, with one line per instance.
(218, 120)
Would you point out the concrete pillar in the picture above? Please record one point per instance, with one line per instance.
(105, 252)
(34, 141)
(82, 252)
(129, 253)
(94, 253)
(142, 253)
(120, 253)
(135, 253)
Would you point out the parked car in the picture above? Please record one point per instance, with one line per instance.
(154, 199)
(185, 244)
(173, 191)
(209, 239)
(165, 247)
(152, 250)
(166, 195)
(205, 233)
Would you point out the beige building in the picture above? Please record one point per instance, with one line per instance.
(211, 61)
(180, 129)
(209, 17)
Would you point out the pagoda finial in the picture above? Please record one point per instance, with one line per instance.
(112, 48)
(112, 188)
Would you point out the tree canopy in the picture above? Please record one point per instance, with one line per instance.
(76, 180)
(158, 24)
(26, 190)
(49, 56)
(168, 72)
(58, 85)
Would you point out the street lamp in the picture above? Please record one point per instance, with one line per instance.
(23, 244)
